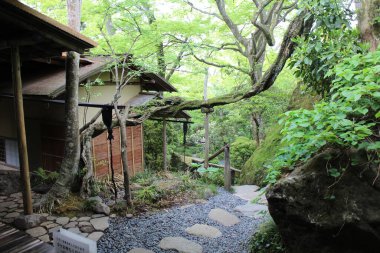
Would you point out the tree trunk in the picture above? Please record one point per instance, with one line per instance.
(88, 180)
(124, 155)
(255, 128)
(369, 11)
(206, 121)
(70, 162)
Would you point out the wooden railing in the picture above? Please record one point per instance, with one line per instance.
(229, 172)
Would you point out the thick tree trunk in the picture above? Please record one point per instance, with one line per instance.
(369, 11)
(70, 162)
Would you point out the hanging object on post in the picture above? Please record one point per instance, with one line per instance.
(107, 120)
(185, 129)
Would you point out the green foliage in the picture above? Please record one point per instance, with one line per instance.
(267, 239)
(331, 40)
(148, 194)
(241, 150)
(212, 175)
(45, 176)
(88, 205)
(346, 120)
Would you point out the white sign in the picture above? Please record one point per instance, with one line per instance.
(69, 242)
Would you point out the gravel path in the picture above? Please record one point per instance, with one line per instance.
(147, 231)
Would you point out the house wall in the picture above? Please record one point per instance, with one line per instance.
(103, 95)
(38, 117)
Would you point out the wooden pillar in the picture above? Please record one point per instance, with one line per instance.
(164, 144)
(21, 134)
(227, 168)
(206, 122)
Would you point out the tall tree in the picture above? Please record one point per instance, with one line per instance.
(70, 162)
(369, 22)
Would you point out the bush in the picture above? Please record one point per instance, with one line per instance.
(212, 175)
(267, 239)
(241, 150)
(348, 119)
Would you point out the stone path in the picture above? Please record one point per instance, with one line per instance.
(92, 227)
(180, 244)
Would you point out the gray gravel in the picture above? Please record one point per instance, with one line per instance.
(147, 231)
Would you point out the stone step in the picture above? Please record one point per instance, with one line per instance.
(140, 250)
(180, 244)
(223, 217)
(204, 230)
(252, 210)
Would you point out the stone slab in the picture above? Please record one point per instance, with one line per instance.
(100, 223)
(180, 244)
(223, 217)
(95, 236)
(204, 230)
(247, 192)
(36, 232)
(252, 210)
(140, 250)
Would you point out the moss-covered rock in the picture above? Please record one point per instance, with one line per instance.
(254, 170)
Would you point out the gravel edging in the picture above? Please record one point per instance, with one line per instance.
(146, 231)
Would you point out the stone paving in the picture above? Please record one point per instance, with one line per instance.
(245, 192)
(91, 227)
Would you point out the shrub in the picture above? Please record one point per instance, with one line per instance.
(212, 175)
(241, 150)
(45, 176)
(348, 119)
(267, 239)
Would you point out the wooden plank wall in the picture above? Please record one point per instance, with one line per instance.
(134, 151)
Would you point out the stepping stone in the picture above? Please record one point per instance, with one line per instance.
(36, 232)
(95, 236)
(140, 250)
(12, 215)
(180, 244)
(71, 224)
(252, 210)
(44, 238)
(84, 219)
(204, 230)
(223, 217)
(186, 206)
(62, 220)
(100, 223)
(247, 192)
(74, 230)
(97, 215)
(51, 218)
(84, 223)
(87, 229)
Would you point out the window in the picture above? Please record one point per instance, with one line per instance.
(9, 152)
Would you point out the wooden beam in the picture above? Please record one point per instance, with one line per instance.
(206, 122)
(227, 169)
(164, 144)
(21, 134)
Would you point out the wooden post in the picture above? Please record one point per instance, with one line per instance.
(21, 134)
(164, 144)
(227, 169)
(206, 121)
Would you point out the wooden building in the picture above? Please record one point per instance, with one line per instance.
(26, 36)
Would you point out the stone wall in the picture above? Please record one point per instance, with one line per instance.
(9, 181)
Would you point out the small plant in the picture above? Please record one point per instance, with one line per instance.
(267, 239)
(148, 194)
(145, 178)
(212, 175)
(88, 205)
(45, 177)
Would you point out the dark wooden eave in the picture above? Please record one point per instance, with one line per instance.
(36, 35)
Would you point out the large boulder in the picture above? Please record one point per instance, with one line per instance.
(318, 210)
